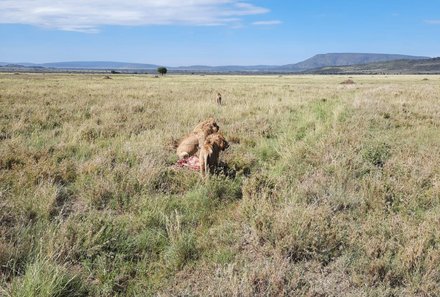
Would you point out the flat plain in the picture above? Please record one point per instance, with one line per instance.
(327, 189)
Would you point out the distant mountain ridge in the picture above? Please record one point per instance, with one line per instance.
(315, 62)
(425, 66)
(344, 59)
(99, 65)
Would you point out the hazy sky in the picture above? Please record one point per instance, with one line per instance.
(213, 32)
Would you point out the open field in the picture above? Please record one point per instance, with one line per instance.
(331, 190)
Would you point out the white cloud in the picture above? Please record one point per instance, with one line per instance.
(267, 23)
(433, 22)
(89, 15)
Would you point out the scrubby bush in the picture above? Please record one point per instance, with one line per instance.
(377, 154)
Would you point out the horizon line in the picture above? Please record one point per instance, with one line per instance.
(207, 65)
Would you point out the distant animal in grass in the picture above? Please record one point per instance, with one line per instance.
(193, 141)
(210, 152)
(219, 99)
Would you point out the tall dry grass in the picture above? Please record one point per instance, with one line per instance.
(330, 189)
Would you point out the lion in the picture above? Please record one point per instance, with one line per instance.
(205, 128)
(188, 146)
(192, 142)
(210, 152)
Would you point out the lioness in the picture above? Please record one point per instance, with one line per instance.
(192, 142)
(210, 152)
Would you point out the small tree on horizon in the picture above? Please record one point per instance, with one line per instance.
(162, 70)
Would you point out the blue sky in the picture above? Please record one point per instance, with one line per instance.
(213, 32)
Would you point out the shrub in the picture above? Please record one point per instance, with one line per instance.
(377, 154)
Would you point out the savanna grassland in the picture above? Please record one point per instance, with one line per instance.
(327, 189)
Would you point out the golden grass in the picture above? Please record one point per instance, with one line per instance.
(329, 189)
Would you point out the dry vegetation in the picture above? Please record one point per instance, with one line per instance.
(329, 189)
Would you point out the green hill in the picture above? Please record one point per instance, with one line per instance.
(428, 66)
(343, 59)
